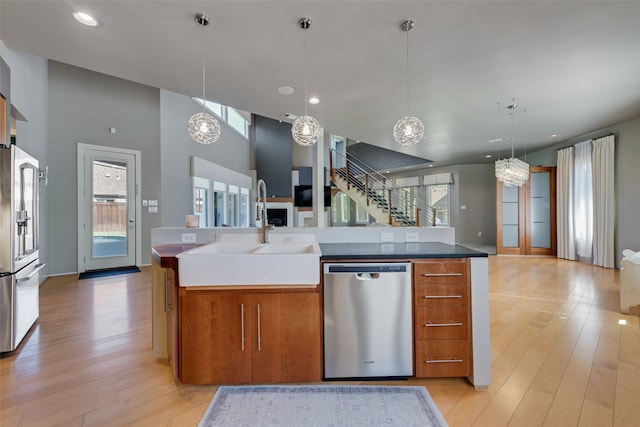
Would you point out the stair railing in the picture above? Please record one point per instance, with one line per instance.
(381, 191)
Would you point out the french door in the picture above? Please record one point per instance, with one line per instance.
(108, 207)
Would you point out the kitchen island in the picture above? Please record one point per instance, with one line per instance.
(201, 329)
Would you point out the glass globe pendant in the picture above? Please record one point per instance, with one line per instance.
(203, 127)
(408, 131)
(305, 130)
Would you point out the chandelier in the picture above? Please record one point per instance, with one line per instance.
(512, 172)
(409, 130)
(305, 129)
(203, 127)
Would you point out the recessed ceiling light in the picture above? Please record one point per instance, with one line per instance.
(488, 156)
(285, 90)
(430, 166)
(85, 18)
(554, 135)
(314, 100)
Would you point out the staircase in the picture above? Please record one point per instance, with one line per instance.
(386, 202)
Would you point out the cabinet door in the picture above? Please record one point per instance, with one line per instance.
(171, 306)
(301, 332)
(286, 340)
(159, 310)
(266, 342)
(215, 346)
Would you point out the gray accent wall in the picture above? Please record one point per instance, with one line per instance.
(29, 92)
(82, 106)
(273, 155)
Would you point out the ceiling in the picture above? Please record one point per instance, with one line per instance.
(572, 66)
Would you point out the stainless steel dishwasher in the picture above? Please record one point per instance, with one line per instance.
(367, 320)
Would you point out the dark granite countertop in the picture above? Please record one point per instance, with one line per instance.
(334, 251)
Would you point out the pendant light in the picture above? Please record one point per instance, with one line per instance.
(512, 172)
(409, 130)
(305, 129)
(203, 127)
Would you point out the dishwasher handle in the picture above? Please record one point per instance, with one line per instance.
(367, 276)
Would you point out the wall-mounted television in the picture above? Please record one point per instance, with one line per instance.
(303, 196)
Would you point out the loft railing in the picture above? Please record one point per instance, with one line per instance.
(378, 190)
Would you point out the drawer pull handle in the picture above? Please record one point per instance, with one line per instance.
(442, 274)
(441, 296)
(452, 323)
(452, 360)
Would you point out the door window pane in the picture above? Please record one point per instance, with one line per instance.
(109, 194)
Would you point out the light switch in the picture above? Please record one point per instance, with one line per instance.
(463, 207)
(153, 209)
(153, 203)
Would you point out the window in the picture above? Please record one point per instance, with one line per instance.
(438, 198)
(244, 207)
(231, 116)
(362, 217)
(201, 208)
(340, 209)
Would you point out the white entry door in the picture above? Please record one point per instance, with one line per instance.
(108, 212)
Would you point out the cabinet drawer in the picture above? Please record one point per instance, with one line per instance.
(446, 358)
(446, 271)
(442, 322)
(441, 295)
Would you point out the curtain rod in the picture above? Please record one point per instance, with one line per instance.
(603, 136)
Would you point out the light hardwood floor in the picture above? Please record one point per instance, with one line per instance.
(562, 355)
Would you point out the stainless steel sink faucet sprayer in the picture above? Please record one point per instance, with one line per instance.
(262, 189)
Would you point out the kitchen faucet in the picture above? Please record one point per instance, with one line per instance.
(265, 223)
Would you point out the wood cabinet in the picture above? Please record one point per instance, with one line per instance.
(164, 312)
(236, 337)
(442, 317)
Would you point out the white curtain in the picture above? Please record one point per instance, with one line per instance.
(583, 201)
(564, 203)
(603, 201)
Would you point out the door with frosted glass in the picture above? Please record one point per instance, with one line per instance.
(526, 216)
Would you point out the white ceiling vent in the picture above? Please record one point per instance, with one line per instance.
(288, 116)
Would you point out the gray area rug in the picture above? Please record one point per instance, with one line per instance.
(322, 405)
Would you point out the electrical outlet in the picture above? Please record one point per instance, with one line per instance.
(386, 237)
(411, 237)
(188, 237)
(144, 203)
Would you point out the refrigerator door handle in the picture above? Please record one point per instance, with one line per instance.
(33, 273)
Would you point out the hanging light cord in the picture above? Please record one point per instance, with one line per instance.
(304, 66)
(204, 99)
(407, 70)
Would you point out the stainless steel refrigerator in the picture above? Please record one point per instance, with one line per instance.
(19, 258)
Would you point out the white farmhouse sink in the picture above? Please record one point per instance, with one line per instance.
(223, 264)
